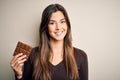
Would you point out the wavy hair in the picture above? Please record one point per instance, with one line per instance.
(42, 69)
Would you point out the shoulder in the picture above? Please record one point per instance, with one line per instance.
(33, 54)
(34, 50)
(80, 56)
(79, 52)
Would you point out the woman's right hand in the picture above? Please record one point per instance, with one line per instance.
(17, 63)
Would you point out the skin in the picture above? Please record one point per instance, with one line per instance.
(17, 63)
(57, 26)
(57, 29)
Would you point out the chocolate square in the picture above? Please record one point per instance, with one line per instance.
(22, 48)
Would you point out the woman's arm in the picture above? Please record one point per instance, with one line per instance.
(29, 64)
(17, 63)
(83, 73)
(27, 70)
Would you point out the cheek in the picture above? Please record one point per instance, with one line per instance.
(66, 27)
(50, 29)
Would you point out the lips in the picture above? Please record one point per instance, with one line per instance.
(59, 32)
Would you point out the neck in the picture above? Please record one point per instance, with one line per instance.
(56, 53)
(56, 47)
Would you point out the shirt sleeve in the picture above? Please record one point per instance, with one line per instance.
(17, 78)
(83, 73)
(27, 71)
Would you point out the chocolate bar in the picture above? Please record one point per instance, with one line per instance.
(22, 48)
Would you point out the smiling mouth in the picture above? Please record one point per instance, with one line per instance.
(59, 32)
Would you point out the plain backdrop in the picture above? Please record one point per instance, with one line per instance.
(95, 29)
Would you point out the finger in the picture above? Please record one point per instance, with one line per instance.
(21, 57)
(19, 60)
(18, 66)
(16, 56)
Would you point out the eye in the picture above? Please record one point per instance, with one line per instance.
(63, 21)
(51, 23)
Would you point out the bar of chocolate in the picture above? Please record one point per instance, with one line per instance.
(22, 48)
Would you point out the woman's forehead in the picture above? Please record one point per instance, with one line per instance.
(58, 15)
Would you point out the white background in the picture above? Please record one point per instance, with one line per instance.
(95, 29)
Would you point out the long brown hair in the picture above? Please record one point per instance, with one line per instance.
(42, 68)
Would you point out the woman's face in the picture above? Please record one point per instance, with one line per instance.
(57, 26)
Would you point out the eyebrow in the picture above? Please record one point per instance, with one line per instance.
(60, 19)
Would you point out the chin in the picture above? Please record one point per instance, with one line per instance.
(58, 39)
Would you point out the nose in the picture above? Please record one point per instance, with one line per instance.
(58, 26)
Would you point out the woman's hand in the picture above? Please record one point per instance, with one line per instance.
(17, 63)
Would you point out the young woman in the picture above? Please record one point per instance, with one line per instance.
(55, 58)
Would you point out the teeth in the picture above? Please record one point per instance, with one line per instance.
(58, 33)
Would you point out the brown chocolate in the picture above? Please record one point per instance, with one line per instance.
(22, 48)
